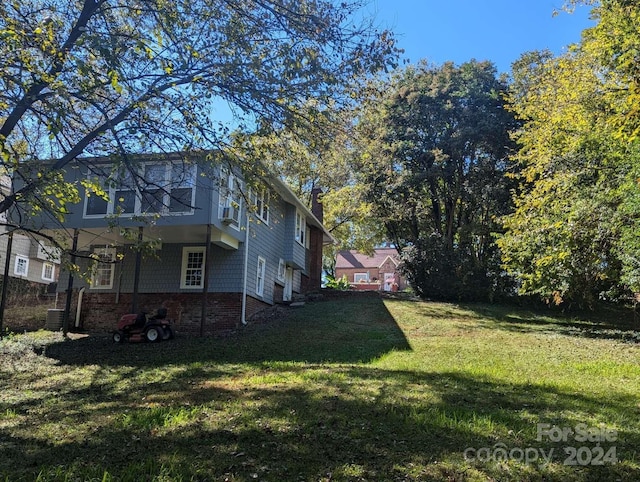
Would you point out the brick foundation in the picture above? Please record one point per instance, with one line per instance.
(100, 311)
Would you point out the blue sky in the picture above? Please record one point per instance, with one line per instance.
(495, 30)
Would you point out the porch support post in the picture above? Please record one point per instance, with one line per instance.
(205, 281)
(136, 275)
(67, 304)
(5, 281)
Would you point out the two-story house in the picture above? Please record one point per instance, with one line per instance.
(221, 249)
(31, 258)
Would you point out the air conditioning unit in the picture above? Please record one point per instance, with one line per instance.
(229, 215)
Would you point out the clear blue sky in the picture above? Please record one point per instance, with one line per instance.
(495, 30)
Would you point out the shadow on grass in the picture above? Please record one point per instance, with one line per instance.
(228, 409)
(368, 424)
(359, 329)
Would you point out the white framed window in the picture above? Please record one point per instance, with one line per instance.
(124, 194)
(192, 274)
(260, 272)
(301, 228)
(95, 205)
(104, 268)
(282, 270)
(260, 200)
(48, 271)
(183, 189)
(153, 192)
(230, 203)
(21, 266)
(163, 188)
(361, 277)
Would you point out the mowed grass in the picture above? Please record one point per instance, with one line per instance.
(358, 388)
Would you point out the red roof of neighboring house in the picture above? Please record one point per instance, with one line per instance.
(353, 259)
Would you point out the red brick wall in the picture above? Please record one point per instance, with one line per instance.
(313, 281)
(100, 312)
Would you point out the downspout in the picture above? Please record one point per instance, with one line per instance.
(205, 283)
(79, 307)
(246, 270)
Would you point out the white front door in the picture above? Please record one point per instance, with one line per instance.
(288, 285)
(389, 279)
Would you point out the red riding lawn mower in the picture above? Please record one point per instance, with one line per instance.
(141, 327)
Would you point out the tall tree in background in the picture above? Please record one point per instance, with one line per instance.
(320, 156)
(573, 237)
(561, 239)
(105, 77)
(436, 141)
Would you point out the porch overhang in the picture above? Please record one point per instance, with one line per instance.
(158, 235)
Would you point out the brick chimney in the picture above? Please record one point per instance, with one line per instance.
(314, 279)
(316, 204)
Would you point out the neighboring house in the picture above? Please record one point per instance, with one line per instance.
(31, 259)
(376, 272)
(223, 251)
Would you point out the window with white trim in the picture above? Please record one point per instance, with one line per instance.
(183, 188)
(301, 228)
(260, 200)
(230, 202)
(153, 193)
(95, 204)
(163, 188)
(48, 271)
(260, 272)
(361, 277)
(21, 266)
(282, 270)
(124, 194)
(192, 274)
(104, 268)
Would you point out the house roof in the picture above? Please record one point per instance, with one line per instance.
(354, 259)
(288, 195)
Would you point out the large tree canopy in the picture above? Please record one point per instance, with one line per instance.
(573, 236)
(434, 160)
(319, 157)
(104, 77)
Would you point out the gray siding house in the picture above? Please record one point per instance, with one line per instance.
(219, 252)
(32, 259)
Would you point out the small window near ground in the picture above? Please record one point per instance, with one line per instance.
(104, 268)
(192, 276)
(262, 264)
(48, 271)
(21, 267)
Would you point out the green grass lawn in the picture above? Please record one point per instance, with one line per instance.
(358, 388)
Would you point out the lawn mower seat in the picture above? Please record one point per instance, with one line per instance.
(161, 314)
(141, 319)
